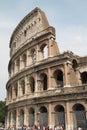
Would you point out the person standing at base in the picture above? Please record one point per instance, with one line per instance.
(80, 128)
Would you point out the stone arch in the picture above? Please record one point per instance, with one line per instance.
(21, 117)
(44, 51)
(25, 32)
(44, 81)
(14, 118)
(16, 89)
(18, 64)
(9, 118)
(24, 58)
(74, 64)
(84, 77)
(43, 116)
(32, 84)
(22, 83)
(59, 115)
(33, 55)
(58, 75)
(79, 115)
(31, 117)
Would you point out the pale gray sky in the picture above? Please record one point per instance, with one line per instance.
(69, 17)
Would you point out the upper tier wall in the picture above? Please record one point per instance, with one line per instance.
(29, 27)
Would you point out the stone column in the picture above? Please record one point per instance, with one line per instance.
(40, 55)
(27, 55)
(15, 66)
(21, 62)
(37, 116)
(11, 119)
(36, 83)
(66, 73)
(26, 85)
(69, 119)
(50, 117)
(37, 54)
(12, 70)
(13, 92)
(39, 85)
(10, 93)
(30, 58)
(19, 88)
(49, 79)
(25, 116)
(17, 118)
(7, 120)
(50, 46)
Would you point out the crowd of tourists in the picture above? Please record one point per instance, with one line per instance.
(37, 127)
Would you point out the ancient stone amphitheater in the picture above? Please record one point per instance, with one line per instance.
(45, 87)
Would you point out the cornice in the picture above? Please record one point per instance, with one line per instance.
(52, 98)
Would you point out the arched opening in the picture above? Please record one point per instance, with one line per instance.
(79, 116)
(10, 119)
(16, 89)
(18, 64)
(59, 115)
(59, 78)
(21, 117)
(43, 116)
(33, 55)
(84, 77)
(23, 87)
(44, 81)
(24, 60)
(32, 84)
(31, 117)
(44, 51)
(25, 33)
(10, 92)
(14, 118)
(74, 64)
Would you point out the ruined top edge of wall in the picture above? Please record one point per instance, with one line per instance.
(30, 19)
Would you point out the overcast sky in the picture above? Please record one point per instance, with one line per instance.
(69, 17)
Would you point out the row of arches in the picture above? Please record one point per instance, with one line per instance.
(28, 58)
(32, 84)
(59, 115)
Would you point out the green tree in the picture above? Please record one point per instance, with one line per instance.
(2, 111)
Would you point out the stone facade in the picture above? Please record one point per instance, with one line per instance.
(45, 87)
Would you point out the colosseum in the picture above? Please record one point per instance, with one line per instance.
(45, 87)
